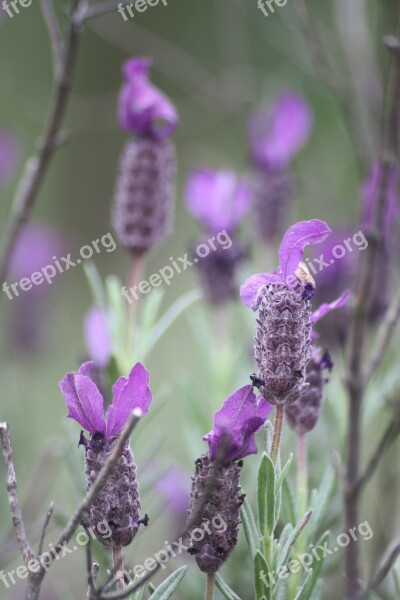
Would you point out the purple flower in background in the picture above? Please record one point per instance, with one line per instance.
(36, 247)
(98, 340)
(9, 155)
(219, 199)
(85, 402)
(174, 486)
(143, 109)
(276, 135)
(236, 424)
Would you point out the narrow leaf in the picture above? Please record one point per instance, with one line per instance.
(225, 589)
(169, 585)
(250, 528)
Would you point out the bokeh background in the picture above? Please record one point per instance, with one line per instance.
(216, 60)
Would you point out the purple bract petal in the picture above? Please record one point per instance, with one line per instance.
(253, 289)
(324, 309)
(83, 400)
(297, 237)
(143, 108)
(236, 423)
(276, 135)
(129, 393)
(98, 341)
(219, 199)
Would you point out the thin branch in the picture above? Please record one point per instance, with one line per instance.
(18, 522)
(90, 568)
(384, 568)
(384, 336)
(55, 36)
(44, 528)
(103, 9)
(389, 436)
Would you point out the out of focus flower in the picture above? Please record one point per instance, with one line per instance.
(219, 199)
(144, 194)
(173, 485)
(98, 340)
(143, 109)
(216, 481)
(118, 503)
(275, 136)
(8, 155)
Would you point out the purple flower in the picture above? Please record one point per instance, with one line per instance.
(370, 194)
(326, 308)
(98, 341)
(219, 199)
(277, 134)
(291, 250)
(8, 155)
(143, 109)
(235, 425)
(85, 402)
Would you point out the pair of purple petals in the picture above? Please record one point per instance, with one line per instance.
(86, 404)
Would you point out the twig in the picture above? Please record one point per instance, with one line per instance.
(382, 571)
(44, 528)
(389, 436)
(18, 522)
(55, 36)
(90, 569)
(385, 334)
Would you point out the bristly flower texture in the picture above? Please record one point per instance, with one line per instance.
(219, 200)
(215, 488)
(144, 195)
(275, 136)
(118, 503)
(283, 337)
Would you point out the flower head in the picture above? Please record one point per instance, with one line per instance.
(219, 199)
(291, 250)
(236, 424)
(276, 135)
(143, 108)
(86, 405)
(98, 341)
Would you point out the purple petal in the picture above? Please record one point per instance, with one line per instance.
(297, 237)
(219, 199)
(83, 400)
(143, 108)
(277, 135)
(98, 341)
(253, 289)
(326, 308)
(370, 195)
(236, 423)
(129, 393)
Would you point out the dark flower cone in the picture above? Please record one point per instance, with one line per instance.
(116, 508)
(282, 349)
(303, 414)
(273, 195)
(219, 485)
(217, 272)
(144, 195)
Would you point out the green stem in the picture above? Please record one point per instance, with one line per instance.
(276, 439)
(135, 277)
(209, 591)
(118, 564)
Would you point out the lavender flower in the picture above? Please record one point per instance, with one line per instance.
(275, 136)
(118, 503)
(283, 337)
(144, 194)
(215, 489)
(219, 199)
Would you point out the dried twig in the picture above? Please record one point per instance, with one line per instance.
(55, 36)
(44, 528)
(383, 569)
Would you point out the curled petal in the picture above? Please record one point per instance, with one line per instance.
(83, 399)
(129, 393)
(325, 308)
(277, 135)
(297, 237)
(253, 289)
(143, 108)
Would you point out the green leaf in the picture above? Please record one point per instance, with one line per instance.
(396, 581)
(315, 566)
(269, 432)
(250, 528)
(139, 594)
(169, 585)
(283, 473)
(288, 504)
(321, 503)
(95, 284)
(225, 589)
(261, 566)
(285, 552)
(302, 590)
(266, 495)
